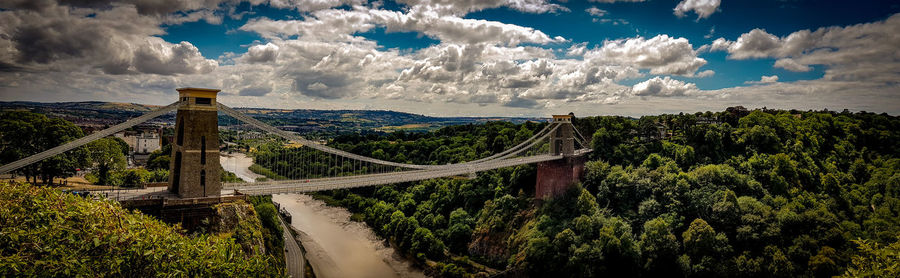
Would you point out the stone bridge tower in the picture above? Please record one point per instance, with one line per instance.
(194, 170)
(554, 177)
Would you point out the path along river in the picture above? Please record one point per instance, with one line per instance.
(335, 245)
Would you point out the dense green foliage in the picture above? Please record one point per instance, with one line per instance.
(875, 260)
(272, 231)
(106, 157)
(738, 193)
(47, 233)
(24, 133)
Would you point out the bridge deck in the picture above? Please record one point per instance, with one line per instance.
(313, 185)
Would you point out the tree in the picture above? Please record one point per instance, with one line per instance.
(135, 177)
(458, 236)
(699, 239)
(160, 159)
(106, 155)
(426, 243)
(23, 134)
(705, 250)
(875, 260)
(659, 248)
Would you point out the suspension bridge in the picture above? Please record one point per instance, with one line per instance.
(303, 165)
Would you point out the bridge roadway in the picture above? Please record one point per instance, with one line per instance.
(322, 184)
(312, 185)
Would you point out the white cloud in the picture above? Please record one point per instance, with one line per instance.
(614, 1)
(595, 12)
(264, 53)
(764, 80)
(321, 60)
(461, 7)
(160, 57)
(461, 30)
(703, 8)
(861, 52)
(311, 5)
(323, 25)
(791, 65)
(706, 73)
(661, 54)
(341, 25)
(769, 79)
(664, 87)
(115, 40)
(712, 31)
(577, 49)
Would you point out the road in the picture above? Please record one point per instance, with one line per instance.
(293, 256)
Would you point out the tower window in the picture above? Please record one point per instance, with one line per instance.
(180, 137)
(203, 101)
(203, 177)
(176, 176)
(202, 149)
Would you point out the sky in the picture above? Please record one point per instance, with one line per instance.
(459, 58)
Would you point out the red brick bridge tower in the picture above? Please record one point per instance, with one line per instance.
(554, 177)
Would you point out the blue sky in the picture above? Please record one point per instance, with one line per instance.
(447, 58)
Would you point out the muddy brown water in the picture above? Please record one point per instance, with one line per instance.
(339, 247)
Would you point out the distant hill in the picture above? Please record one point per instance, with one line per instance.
(301, 120)
(81, 105)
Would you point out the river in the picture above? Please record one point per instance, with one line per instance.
(335, 245)
(239, 164)
(339, 247)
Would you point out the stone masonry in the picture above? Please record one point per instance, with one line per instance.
(195, 170)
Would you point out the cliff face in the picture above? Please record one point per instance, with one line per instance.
(497, 231)
(239, 220)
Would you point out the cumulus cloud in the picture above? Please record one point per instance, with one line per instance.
(341, 25)
(706, 73)
(461, 7)
(596, 13)
(460, 30)
(665, 87)
(614, 1)
(322, 59)
(577, 49)
(703, 8)
(265, 53)
(312, 5)
(769, 79)
(116, 40)
(791, 65)
(861, 52)
(160, 57)
(661, 54)
(764, 80)
(324, 25)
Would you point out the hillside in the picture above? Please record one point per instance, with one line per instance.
(764, 193)
(47, 233)
(301, 120)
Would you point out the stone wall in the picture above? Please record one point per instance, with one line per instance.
(554, 177)
(196, 127)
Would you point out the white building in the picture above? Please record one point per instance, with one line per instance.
(147, 143)
(143, 143)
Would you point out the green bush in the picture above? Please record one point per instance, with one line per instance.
(272, 231)
(47, 233)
